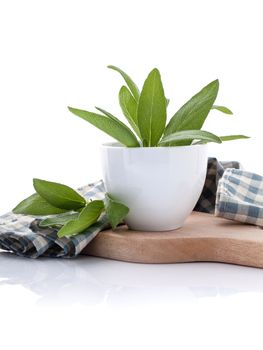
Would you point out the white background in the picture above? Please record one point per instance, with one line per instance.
(54, 54)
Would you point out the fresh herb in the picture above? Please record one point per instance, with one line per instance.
(151, 111)
(131, 85)
(109, 124)
(61, 196)
(189, 136)
(67, 210)
(115, 211)
(36, 205)
(58, 220)
(222, 109)
(87, 217)
(146, 113)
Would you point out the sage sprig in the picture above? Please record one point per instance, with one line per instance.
(132, 86)
(58, 195)
(112, 126)
(88, 216)
(58, 220)
(115, 211)
(36, 205)
(222, 109)
(66, 210)
(151, 111)
(129, 108)
(189, 136)
(146, 113)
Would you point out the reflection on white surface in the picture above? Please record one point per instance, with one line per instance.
(92, 281)
(65, 304)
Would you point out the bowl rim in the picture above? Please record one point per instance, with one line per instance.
(117, 145)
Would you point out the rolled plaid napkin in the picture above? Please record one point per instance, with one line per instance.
(21, 234)
(215, 170)
(240, 197)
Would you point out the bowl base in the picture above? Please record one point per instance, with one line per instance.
(154, 228)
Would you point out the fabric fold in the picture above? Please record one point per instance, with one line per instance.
(22, 235)
(240, 197)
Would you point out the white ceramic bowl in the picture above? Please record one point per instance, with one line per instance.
(160, 185)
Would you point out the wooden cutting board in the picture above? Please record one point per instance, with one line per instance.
(203, 237)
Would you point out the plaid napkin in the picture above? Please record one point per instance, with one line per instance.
(215, 171)
(21, 234)
(240, 197)
(237, 190)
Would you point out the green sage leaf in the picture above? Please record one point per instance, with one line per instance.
(87, 217)
(110, 126)
(133, 125)
(108, 114)
(115, 211)
(132, 86)
(192, 115)
(233, 137)
(58, 195)
(58, 220)
(190, 135)
(129, 108)
(151, 111)
(36, 205)
(222, 109)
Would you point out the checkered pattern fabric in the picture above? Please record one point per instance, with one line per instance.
(215, 170)
(240, 197)
(231, 193)
(21, 234)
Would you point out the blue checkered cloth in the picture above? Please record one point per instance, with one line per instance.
(228, 192)
(240, 197)
(22, 235)
(215, 170)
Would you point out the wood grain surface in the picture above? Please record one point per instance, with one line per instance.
(204, 237)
